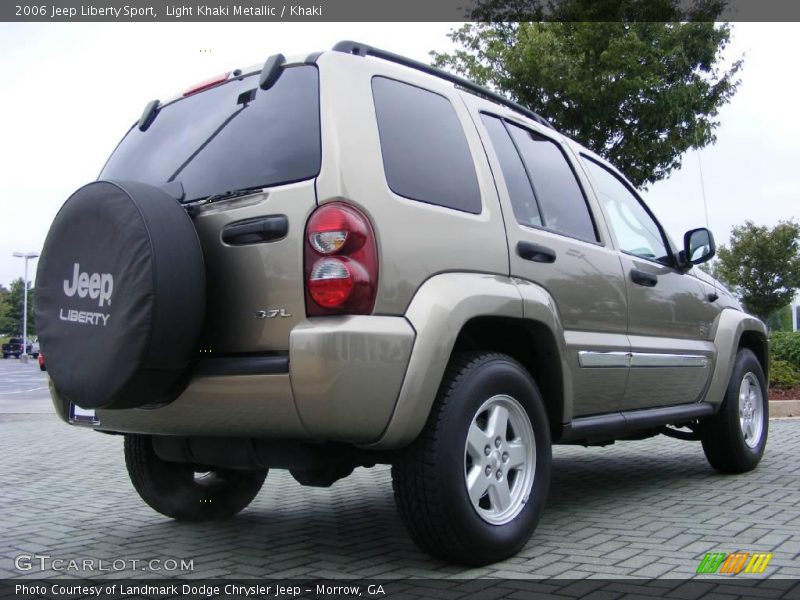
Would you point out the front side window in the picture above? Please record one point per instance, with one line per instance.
(634, 229)
(425, 152)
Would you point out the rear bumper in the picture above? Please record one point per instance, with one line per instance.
(340, 383)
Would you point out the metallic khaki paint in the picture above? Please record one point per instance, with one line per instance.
(437, 313)
(415, 240)
(256, 277)
(346, 374)
(257, 406)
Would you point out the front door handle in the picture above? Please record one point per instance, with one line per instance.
(641, 278)
(256, 231)
(536, 252)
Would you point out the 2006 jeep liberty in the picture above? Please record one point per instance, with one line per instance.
(350, 258)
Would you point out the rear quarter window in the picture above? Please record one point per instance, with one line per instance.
(425, 152)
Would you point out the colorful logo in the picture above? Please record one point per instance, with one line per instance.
(734, 563)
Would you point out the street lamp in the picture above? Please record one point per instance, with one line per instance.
(27, 256)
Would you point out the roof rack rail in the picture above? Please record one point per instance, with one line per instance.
(349, 47)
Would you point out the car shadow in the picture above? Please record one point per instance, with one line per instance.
(353, 528)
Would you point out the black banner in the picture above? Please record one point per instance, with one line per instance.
(393, 10)
(730, 588)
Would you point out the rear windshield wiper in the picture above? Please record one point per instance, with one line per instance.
(224, 196)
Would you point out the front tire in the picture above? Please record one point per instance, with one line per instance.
(175, 489)
(735, 438)
(472, 486)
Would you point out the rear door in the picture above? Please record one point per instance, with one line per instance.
(250, 158)
(555, 243)
(669, 315)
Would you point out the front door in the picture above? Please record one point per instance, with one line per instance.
(669, 315)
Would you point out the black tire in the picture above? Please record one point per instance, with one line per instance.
(173, 489)
(722, 435)
(429, 476)
(42, 368)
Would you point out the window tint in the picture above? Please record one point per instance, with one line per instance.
(557, 191)
(519, 188)
(425, 152)
(216, 142)
(635, 230)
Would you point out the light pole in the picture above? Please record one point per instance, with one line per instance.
(27, 256)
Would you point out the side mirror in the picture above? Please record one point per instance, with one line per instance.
(698, 246)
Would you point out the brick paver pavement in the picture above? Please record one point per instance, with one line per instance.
(648, 508)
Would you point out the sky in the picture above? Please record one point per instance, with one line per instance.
(68, 92)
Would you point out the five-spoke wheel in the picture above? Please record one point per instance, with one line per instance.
(499, 459)
(472, 486)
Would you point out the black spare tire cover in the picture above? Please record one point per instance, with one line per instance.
(120, 296)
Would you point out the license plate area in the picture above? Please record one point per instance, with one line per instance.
(82, 416)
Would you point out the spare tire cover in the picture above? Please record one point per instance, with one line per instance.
(120, 296)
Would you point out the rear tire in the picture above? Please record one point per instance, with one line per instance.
(735, 438)
(175, 490)
(469, 489)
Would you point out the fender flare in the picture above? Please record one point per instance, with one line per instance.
(437, 312)
(731, 325)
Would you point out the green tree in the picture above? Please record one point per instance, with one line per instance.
(763, 265)
(5, 325)
(11, 315)
(639, 93)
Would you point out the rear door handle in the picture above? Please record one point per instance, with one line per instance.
(256, 231)
(642, 278)
(536, 252)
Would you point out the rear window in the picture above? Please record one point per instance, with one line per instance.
(217, 141)
(425, 151)
(555, 185)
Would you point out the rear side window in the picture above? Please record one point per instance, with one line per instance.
(231, 137)
(560, 197)
(425, 151)
(519, 187)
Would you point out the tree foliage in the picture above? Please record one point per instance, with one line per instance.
(763, 265)
(11, 310)
(639, 93)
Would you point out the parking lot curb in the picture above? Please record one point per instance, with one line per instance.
(784, 408)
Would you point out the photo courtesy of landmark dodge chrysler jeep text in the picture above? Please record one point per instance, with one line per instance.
(350, 258)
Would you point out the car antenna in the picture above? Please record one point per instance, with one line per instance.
(705, 207)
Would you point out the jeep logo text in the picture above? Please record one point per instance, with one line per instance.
(98, 286)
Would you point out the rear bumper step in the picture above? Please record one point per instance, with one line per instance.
(273, 364)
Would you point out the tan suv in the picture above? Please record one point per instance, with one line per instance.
(351, 258)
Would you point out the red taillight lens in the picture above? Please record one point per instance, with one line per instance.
(341, 262)
(209, 83)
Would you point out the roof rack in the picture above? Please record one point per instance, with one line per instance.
(349, 47)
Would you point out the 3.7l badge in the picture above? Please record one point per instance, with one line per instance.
(272, 313)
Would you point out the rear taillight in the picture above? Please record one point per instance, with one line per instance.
(341, 262)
